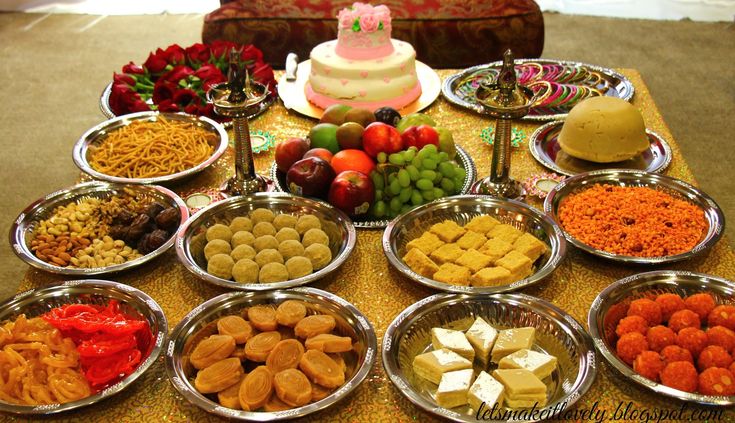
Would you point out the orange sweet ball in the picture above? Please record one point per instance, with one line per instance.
(684, 319)
(649, 364)
(680, 375)
(716, 381)
(701, 304)
(722, 336)
(632, 324)
(669, 304)
(630, 345)
(713, 356)
(692, 339)
(674, 353)
(722, 315)
(659, 337)
(648, 309)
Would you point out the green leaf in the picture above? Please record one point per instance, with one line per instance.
(356, 25)
(380, 26)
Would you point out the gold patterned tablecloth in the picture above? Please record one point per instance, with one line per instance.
(370, 283)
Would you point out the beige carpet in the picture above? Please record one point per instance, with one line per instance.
(53, 68)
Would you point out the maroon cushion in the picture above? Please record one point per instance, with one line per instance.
(445, 34)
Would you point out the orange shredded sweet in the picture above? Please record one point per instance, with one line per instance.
(632, 221)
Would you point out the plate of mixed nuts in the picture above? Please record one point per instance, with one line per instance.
(97, 227)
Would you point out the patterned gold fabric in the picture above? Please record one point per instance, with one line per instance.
(369, 282)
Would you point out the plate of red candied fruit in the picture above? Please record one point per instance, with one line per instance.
(672, 332)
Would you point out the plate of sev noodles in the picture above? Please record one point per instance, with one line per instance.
(44, 366)
(150, 147)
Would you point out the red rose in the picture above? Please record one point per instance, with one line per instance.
(124, 100)
(207, 72)
(178, 73)
(185, 96)
(121, 78)
(175, 54)
(191, 109)
(263, 73)
(198, 53)
(221, 49)
(163, 90)
(251, 53)
(207, 109)
(133, 69)
(207, 85)
(139, 106)
(156, 62)
(168, 106)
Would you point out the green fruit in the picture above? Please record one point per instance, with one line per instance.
(414, 119)
(335, 114)
(324, 135)
(362, 116)
(349, 136)
(446, 142)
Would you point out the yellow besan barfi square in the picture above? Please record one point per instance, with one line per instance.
(453, 274)
(447, 253)
(491, 276)
(482, 224)
(420, 263)
(530, 246)
(495, 248)
(474, 260)
(518, 264)
(471, 240)
(505, 232)
(448, 231)
(427, 243)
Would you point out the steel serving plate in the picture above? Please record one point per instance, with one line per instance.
(191, 238)
(462, 209)
(618, 86)
(21, 231)
(557, 334)
(626, 177)
(350, 322)
(462, 158)
(612, 304)
(107, 110)
(94, 136)
(545, 148)
(36, 302)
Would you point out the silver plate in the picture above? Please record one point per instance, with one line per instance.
(463, 159)
(107, 110)
(96, 134)
(603, 319)
(350, 322)
(462, 209)
(190, 240)
(21, 231)
(36, 302)
(620, 87)
(544, 146)
(557, 334)
(626, 177)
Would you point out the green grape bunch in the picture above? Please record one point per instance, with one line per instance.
(412, 177)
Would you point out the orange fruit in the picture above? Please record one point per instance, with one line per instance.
(352, 159)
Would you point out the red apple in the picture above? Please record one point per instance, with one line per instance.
(352, 192)
(419, 136)
(380, 137)
(322, 153)
(310, 177)
(289, 152)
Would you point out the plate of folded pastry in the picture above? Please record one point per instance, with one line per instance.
(460, 357)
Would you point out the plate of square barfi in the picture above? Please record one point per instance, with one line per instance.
(474, 244)
(460, 357)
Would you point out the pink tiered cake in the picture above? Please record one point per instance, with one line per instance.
(364, 67)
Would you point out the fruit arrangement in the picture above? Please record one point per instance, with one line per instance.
(372, 164)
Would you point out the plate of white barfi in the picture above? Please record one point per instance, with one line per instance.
(467, 357)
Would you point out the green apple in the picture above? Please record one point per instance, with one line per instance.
(446, 142)
(324, 135)
(414, 119)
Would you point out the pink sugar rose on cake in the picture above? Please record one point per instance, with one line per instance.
(346, 18)
(369, 23)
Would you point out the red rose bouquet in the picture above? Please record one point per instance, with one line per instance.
(177, 79)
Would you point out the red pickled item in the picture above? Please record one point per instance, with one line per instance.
(713, 356)
(701, 304)
(632, 324)
(630, 345)
(722, 336)
(646, 308)
(674, 353)
(722, 315)
(716, 381)
(649, 364)
(110, 343)
(684, 319)
(680, 375)
(669, 303)
(692, 339)
(659, 337)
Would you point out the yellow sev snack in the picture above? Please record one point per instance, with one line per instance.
(148, 149)
(632, 221)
